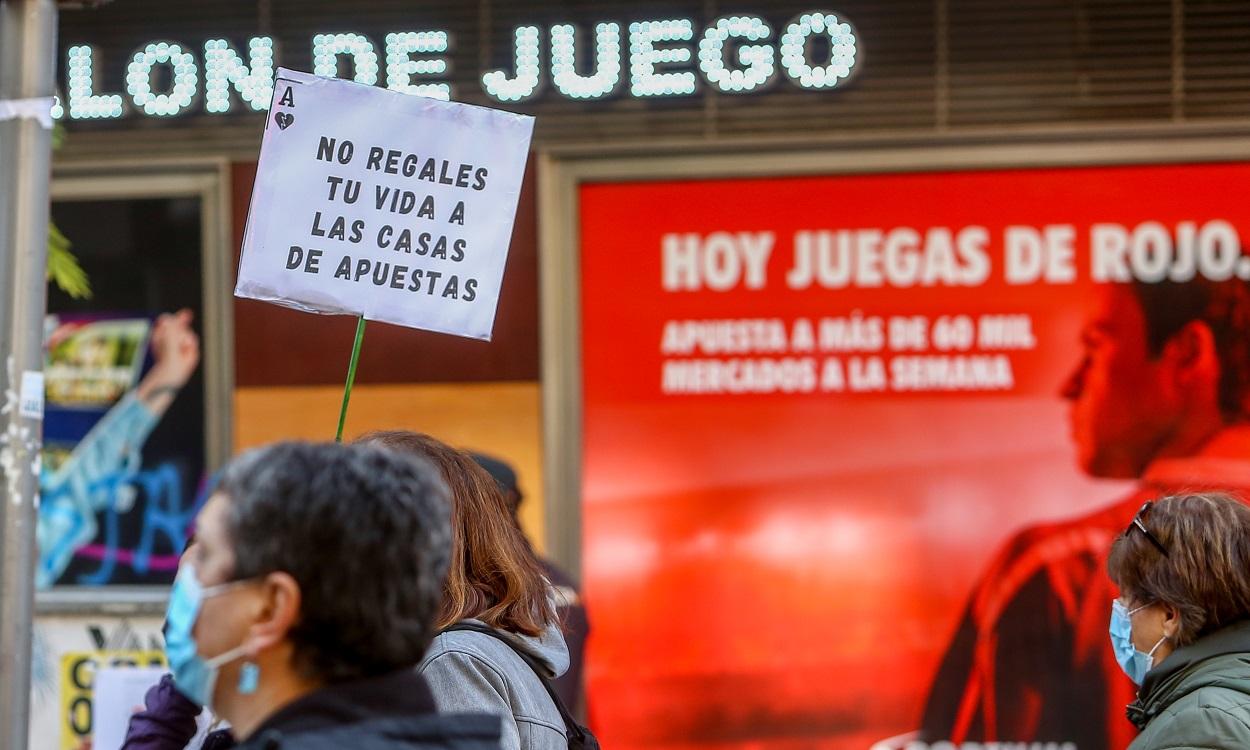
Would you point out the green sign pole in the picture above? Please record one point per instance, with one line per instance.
(351, 376)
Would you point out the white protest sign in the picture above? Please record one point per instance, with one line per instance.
(395, 207)
(119, 692)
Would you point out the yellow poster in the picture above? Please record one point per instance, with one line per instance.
(77, 684)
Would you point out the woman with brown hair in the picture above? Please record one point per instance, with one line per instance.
(1181, 626)
(498, 626)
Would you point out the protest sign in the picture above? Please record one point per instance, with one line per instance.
(87, 701)
(119, 692)
(392, 207)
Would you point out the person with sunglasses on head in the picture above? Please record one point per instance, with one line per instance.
(1180, 628)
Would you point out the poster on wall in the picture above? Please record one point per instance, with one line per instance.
(856, 461)
(69, 653)
(123, 455)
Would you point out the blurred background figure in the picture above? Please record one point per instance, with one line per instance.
(569, 606)
(88, 479)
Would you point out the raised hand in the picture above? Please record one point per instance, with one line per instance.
(176, 350)
(175, 347)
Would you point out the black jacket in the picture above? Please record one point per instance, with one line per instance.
(393, 712)
(572, 614)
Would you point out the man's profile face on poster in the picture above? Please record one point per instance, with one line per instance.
(1122, 408)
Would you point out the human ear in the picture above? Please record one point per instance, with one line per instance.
(1171, 621)
(277, 614)
(1193, 358)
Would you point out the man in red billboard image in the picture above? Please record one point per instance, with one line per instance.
(1161, 395)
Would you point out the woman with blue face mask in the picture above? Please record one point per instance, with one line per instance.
(171, 721)
(308, 598)
(1181, 626)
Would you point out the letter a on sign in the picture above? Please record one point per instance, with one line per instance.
(353, 119)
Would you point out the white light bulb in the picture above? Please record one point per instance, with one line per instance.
(400, 67)
(842, 51)
(643, 57)
(83, 102)
(528, 71)
(185, 74)
(223, 68)
(327, 48)
(607, 62)
(756, 59)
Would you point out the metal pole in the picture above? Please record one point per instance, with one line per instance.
(27, 66)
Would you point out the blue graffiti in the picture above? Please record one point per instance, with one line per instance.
(103, 475)
(163, 514)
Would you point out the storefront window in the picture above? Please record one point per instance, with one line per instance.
(125, 445)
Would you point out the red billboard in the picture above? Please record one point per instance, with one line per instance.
(855, 445)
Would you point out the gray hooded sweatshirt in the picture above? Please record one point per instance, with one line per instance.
(475, 673)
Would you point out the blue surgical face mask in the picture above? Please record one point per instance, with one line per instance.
(1134, 663)
(195, 676)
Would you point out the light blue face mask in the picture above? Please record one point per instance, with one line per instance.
(195, 676)
(1134, 663)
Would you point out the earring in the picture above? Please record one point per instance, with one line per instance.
(249, 678)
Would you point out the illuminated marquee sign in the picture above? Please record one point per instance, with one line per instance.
(666, 58)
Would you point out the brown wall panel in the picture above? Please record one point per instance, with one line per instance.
(497, 418)
(278, 346)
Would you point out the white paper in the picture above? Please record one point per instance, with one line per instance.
(30, 400)
(118, 693)
(481, 152)
(39, 109)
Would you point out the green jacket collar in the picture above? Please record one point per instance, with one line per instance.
(1188, 669)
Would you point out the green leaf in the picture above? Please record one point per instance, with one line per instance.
(63, 267)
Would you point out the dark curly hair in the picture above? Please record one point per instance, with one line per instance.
(364, 531)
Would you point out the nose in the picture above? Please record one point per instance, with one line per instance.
(1071, 388)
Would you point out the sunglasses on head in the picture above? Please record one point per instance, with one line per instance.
(1139, 524)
